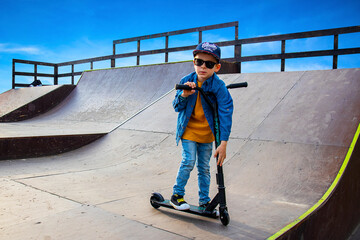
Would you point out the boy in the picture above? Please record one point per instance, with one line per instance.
(195, 125)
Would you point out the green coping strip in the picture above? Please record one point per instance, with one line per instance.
(328, 192)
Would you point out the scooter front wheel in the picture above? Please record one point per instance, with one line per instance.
(224, 217)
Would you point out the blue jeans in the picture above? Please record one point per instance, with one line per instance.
(195, 152)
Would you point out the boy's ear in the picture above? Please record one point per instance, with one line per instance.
(217, 67)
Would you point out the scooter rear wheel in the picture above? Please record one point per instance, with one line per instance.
(156, 197)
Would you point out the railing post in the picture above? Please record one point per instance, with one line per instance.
(282, 53)
(238, 56)
(13, 74)
(237, 48)
(35, 71)
(138, 50)
(56, 74)
(166, 47)
(237, 31)
(113, 59)
(200, 37)
(336, 47)
(72, 74)
(92, 64)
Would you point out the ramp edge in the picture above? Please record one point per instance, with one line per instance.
(327, 194)
(31, 147)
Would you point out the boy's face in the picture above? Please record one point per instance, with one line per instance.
(202, 71)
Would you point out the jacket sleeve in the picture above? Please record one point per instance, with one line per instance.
(225, 110)
(179, 103)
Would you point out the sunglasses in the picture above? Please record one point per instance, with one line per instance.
(199, 62)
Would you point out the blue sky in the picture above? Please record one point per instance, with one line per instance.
(58, 31)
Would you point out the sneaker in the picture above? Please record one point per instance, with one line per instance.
(179, 203)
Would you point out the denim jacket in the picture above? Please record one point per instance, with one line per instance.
(185, 106)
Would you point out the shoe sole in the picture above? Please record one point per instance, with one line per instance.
(180, 207)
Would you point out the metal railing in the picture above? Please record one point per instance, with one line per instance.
(168, 50)
(237, 43)
(335, 52)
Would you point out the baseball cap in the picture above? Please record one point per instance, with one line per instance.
(210, 48)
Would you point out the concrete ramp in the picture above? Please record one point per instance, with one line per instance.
(24, 103)
(110, 96)
(101, 101)
(291, 135)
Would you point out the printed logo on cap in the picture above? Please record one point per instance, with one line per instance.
(209, 46)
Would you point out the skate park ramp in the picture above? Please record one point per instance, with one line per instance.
(100, 102)
(291, 134)
(24, 103)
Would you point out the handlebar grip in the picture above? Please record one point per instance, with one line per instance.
(182, 87)
(237, 85)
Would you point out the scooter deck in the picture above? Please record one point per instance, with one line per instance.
(193, 209)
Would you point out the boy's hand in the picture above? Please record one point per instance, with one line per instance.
(187, 93)
(220, 152)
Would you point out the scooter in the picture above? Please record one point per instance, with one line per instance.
(157, 200)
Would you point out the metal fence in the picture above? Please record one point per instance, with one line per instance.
(237, 57)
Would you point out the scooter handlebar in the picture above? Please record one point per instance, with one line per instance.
(230, 86)
(237, 85)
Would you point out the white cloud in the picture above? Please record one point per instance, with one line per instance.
(15, 48)
(303, 64)
(81, 48)
(261, 66)
(261, 48)
(307, 66)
